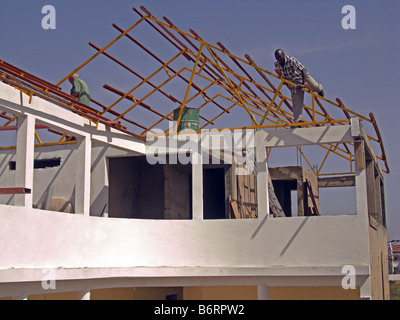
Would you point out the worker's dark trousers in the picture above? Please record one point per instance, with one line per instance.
(298, 97)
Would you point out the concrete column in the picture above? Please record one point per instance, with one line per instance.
(263, 292)
(197, 186)
(371, 192)
(83, 172)
(262, 181)
(25, 159)
(365, 290)
(361, 180)
(362, 205)
(83, 295)
(22, 296)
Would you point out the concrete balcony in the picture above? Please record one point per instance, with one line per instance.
(108, 239)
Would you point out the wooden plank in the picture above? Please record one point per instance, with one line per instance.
(359, 154)
(314, 208)
(253, 198)
(333, 182)
(235, 209)
(240, 196)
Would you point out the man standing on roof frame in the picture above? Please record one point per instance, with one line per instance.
(79, 89)
(291, 69)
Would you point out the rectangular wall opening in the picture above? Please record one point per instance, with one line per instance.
(140, 190)
(283, 191)
(214, 193)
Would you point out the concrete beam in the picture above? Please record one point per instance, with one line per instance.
(305, 136)
(332, 182)
(53, 116)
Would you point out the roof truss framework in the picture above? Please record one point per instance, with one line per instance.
(184, 70)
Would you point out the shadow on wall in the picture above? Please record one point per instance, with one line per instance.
(99, 207)
(47, 194)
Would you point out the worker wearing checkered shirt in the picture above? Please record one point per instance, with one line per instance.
(291, 69)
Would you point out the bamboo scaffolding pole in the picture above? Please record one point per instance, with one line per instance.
(220, 69)
(158, 59)
(104, 48)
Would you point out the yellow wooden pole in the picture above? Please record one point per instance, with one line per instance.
(137, 86)
(272, 102)
(232, 86)
(101, 51)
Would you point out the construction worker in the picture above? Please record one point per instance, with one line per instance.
(79, 89)
(291, 69)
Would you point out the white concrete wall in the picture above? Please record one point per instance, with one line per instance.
(61, 181)
(32, 239)
(42, 239)
(72, 180)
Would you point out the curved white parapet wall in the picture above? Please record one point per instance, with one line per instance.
(32, 238)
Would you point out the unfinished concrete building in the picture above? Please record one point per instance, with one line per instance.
(114, 201)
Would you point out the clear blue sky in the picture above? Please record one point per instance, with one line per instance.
(359, 66)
